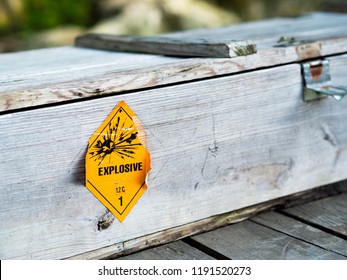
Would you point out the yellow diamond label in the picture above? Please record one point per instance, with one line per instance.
(117, 161)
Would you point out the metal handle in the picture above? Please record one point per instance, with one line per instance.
(338, 92)
(317, 82)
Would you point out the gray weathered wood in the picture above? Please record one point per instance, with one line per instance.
(312, 24)
(184, 47)
(207, 224)
(303, 231)
(49, 76)
(329, 213)
(249, 138)
(248, 240)
(174, 251)
(226, 41)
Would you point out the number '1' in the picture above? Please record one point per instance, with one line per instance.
(121, 201)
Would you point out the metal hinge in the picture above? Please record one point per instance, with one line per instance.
(318, 82)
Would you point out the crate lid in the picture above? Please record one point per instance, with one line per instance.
(40, 77)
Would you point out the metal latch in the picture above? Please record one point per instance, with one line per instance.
(318, 82)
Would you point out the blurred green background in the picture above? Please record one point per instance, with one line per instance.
(28, 24)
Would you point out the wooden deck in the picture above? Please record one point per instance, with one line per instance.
(313, 230)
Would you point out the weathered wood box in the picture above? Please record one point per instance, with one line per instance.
(223, 133)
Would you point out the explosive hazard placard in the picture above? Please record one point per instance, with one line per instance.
(117, 161)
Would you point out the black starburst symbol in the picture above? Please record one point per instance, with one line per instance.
(117, 139)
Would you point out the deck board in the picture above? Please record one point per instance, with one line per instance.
(329, 213)
(173, 251)
(249, 240)
(302, 231)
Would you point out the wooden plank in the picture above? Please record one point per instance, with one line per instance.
(314, 23)
(227, 41)
(181, 47)
(302, 231)
(329, 214)
(249, 240)
(319, 27)
(173, 251)
(25, 70)
(38, 77)
(204, 148)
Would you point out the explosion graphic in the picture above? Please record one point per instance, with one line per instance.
(118, 137)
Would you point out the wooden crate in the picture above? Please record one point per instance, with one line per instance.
(223, 133)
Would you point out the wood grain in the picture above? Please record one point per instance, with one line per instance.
(216, 146)
(181, 47)
(328, 214)
(174, 251)
(62, 74)
(208, 224)
(303, 231)
(249, 240)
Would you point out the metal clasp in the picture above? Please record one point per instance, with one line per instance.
(318, 82)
